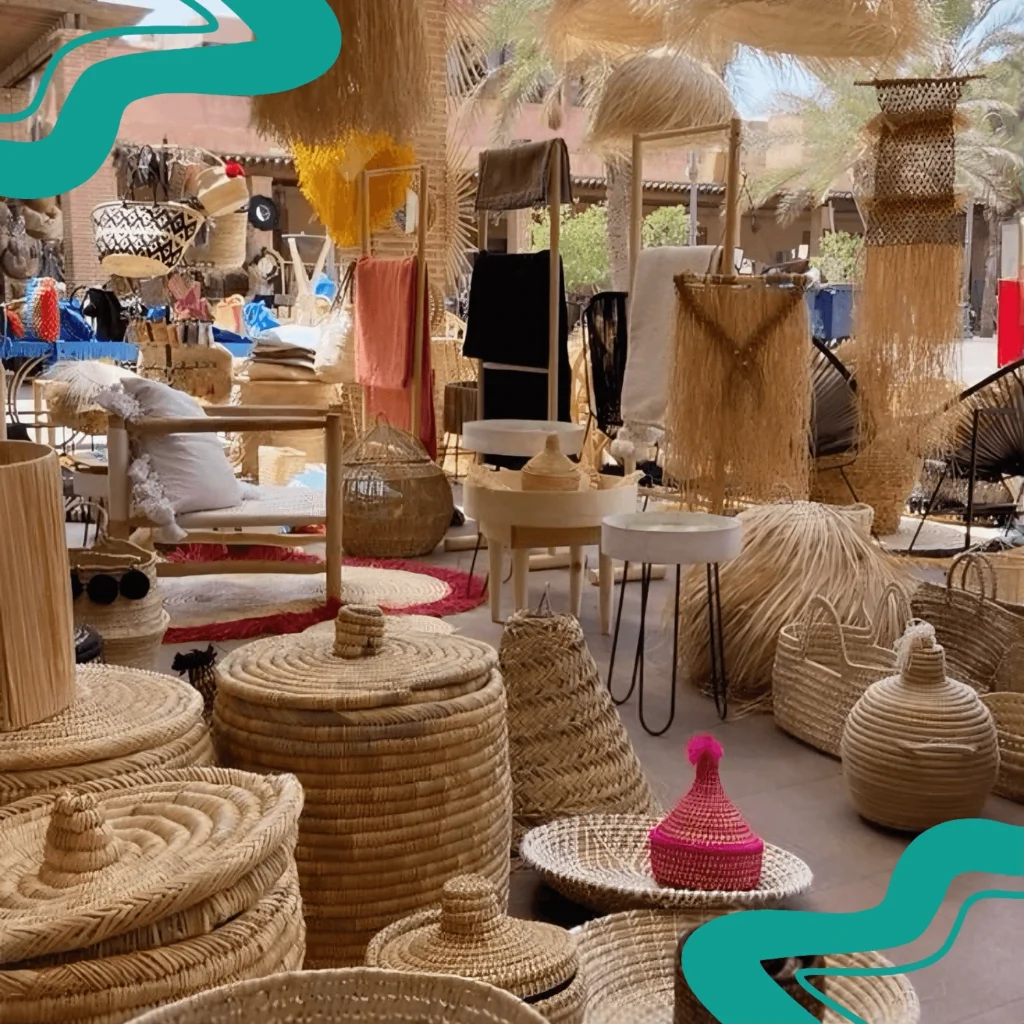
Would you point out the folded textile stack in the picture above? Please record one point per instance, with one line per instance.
(284, 353)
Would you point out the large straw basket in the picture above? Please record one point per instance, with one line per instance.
(570, 752)
(145, 889)
(822, 668)
(629, 965)
(401, 745)
(140, 240)
(918, 748)
(1007, 710)
(121, 721)
(355, 996)
(228, 236)
(983, 638)
(37, 648)
(470, 937)
(398, 504)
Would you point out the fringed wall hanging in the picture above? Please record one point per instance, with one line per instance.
(380, 82)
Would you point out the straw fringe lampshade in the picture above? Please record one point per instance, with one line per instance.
(469, 936)
(602, 28)
(918, 748)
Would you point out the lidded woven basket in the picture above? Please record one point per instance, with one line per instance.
(398, 504)
(919, 748)
(400, 742)
(551, 470)
(122, 720)
(470, 936)
(120, 895)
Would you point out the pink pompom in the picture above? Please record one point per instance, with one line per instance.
(701, 745)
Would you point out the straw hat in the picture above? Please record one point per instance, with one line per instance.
(469, 936)
(551, 470)
(705, 843)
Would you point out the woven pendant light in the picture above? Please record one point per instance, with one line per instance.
(608, 28)
(380, 82)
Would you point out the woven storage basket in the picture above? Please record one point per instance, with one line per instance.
(1007, 710)
(569, 749)
(470, 937)
(121, 721)
(140, 240)
(146, 888)
(603, 862)
(398, 504)
(983, 639)
(1008, 569)
(822, 668)
(37, 647)
(629, 966)
(918, 748)
(354, 996)
(132, 630)
(551, 470)
(228, 237)
(65, 412)
(402, 747)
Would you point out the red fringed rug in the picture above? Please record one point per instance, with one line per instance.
(463, 593)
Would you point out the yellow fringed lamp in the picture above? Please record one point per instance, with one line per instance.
(329, 179)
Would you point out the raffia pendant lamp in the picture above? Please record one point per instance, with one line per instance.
(654, 92)
(329, 177)
(602, 28)
(379, 83)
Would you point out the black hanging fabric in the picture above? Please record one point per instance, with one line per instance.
(111, 321)
(607, 336)
(835, 422)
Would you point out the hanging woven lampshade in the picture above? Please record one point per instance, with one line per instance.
(329, 179)
(576, 28)
(654, 92)
(380, 82)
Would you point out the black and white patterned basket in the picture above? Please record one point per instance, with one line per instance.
(140, 240)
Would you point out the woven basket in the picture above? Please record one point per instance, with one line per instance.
(355, 996)
(551, 470)
(570, 752)
(629, 965)
(37, 666)
(146, 888)
(398, 504)
(401, 745)
(983, 639)
(1007, 711)
(469, 936)
(228, 238)
(918, 748)
(65, 412)
(822, 668)
(603, 862)
(140, 240)
(121, 721)
(1008, 569)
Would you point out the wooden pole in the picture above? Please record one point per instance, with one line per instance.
(3, 402)
(483, 227)
(636, 207)
(732, 198)
(118, 458)
(421, 302)
(555, 290)
(335, 501)
(365, 242)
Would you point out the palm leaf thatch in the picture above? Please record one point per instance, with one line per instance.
(656, 92)
(459, 216)
(379, 83)
(835, 420)
(602, 28)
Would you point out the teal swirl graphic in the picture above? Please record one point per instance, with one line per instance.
(285, 53)
(722, 959)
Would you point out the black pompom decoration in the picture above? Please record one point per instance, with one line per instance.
(102, 589)
(76, 586)
(134, 585)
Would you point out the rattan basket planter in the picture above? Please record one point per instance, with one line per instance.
(1007, 710)
(401, 745)
(354, 996)
(629, 965)
(918, 748)
(37, 648)
(398, 504)
(146, 888)
(121, 721)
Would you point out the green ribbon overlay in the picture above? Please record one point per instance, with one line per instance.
(722, 959)
(295, 43)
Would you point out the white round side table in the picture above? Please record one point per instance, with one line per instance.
(672, 538)
(520, 438)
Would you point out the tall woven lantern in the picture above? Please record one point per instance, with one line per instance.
(398, 503)
(145, 889)
(918, 748)
(401, 745)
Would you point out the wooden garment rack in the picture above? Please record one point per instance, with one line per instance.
(422, 218)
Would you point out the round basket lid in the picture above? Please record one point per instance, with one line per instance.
(361, 667)
(116, 712)
(102, 860)
(470, 937)
(551, 470)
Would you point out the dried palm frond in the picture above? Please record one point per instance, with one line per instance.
(602, 28)
(655, 92)
(379, 83)
(459, 215)
(466, 45)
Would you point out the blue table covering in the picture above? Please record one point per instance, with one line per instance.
(120, 351)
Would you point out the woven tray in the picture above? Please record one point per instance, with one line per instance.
(602, 862)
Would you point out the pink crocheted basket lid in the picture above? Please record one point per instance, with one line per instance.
(705, 843)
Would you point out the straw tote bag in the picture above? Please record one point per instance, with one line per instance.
(983, 639)
(219, 192)
(823, 667)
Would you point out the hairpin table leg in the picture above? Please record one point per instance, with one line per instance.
(716, 640)
(675, 668)
(615, 637)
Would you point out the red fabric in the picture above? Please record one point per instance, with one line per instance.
(45, 310)
(234, 170)
(15, 323)
(1011, 321)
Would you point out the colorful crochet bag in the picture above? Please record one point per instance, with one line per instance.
(42, 309)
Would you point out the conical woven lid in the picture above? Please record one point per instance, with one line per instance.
(706, 818)
(84, 865)
(117, 712)
(361, 667)
(471, 937)
(551, 470)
